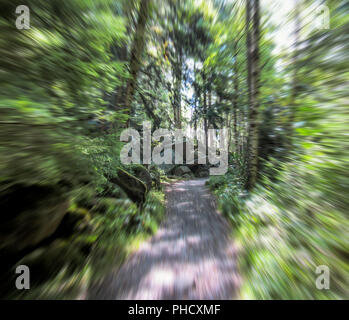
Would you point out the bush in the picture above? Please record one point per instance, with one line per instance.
(286, 229)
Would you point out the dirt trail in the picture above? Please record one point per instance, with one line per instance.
(190, 257)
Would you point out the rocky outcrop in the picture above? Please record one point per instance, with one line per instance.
(143, 174)
(75, 222)
(30, 214)
(134, 188)
(204, 173)
(167, 168)
(201, 171)
(46, 262)
(182, 170)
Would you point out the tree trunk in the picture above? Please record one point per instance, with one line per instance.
(205, 111)
(254, 91)
(228, 126)
(119, 51)
(177, 93)
(119, 92)
(248, 45)
(235, 101)
(295, 80)
(136, 53)
(195, 97)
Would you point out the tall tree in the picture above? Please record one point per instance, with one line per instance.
(177, 90)
(235, 97)
(120, 53)
(252, 18)
(177, 35)
(295, 80)
(136, 52)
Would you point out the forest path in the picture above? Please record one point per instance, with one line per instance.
(191, 256)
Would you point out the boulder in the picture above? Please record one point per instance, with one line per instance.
(143, 174)
(202, 173)
(75, 222)
(46, 262)
(134, 188)
(30, 214)
(167, 168)
(196, 168)
(181, 170)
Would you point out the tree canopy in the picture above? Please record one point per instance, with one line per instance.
(86, 70)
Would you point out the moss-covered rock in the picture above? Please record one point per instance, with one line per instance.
(143, 174)
(202, 173)
(30, 214)
(134, 188)
(74, 222)
(182, 170)
(199, 170)
(46, 262)
(168, 168)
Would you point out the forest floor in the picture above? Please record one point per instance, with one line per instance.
(191, 256)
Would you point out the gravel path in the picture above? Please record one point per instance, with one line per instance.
(190, 257)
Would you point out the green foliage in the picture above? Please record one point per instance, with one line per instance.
(104, 230)
(52, 80)
(286, 230)
(296, 219)
(117, 222)
(62, 87)
(217, 182)
(57, 130)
